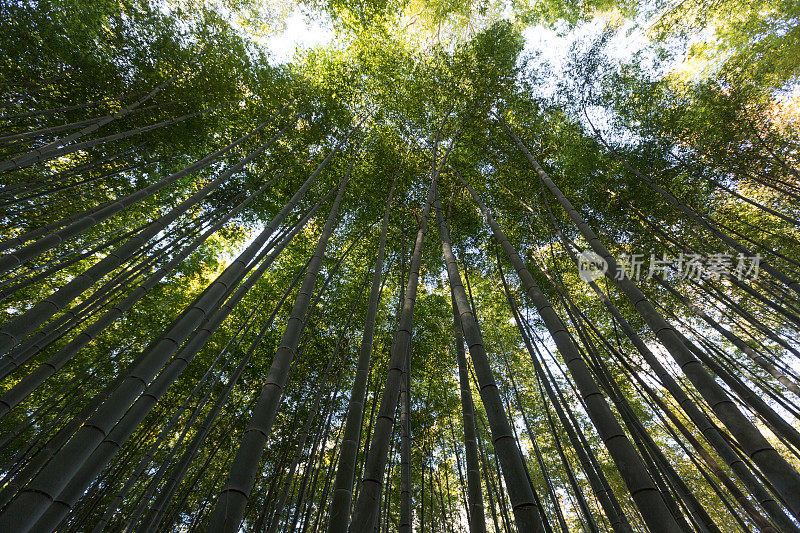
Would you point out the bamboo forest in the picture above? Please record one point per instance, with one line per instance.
(400, 265)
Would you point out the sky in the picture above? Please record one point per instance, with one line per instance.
(302, 32)
(299, 33)
(552, 45)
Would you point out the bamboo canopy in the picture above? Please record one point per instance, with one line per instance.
(426, 276)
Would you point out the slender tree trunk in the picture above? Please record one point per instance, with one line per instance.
(647, 497)
(345, 473)
(12, 138)
(230, 507)
(371, 422)
(477, 520)
(158, 508)
(49, 131)
(58, 192)
(33, 501)
(46, 243)
(669, 197)
(281, 505)
(526, 512)
(316, 455)
(734, 339)
(75, 316)
(323, 501)
(366, 512)
(50, 268)
(708, 429)
(462, 482)
(647, 446)
(405, 451)
(38, 156)
(168, 428)
(94, 464)
(63, 109)
(730, 191)
(762, 523)
(780, 473)
(537, 452)
(29, 383)
(155, 511)
(25, 323)
(43, 152)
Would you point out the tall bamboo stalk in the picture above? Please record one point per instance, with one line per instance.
(780, 473)
(345, 472)
(647, 497)
(233, 499)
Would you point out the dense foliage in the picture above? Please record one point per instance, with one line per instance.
(191, 233)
